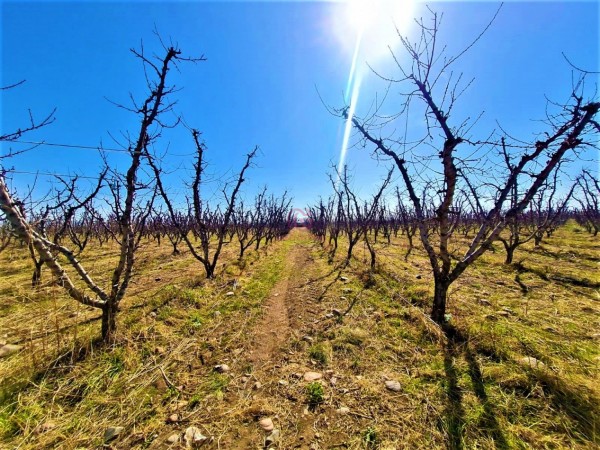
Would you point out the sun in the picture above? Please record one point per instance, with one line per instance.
(375, 23)
(367, 30)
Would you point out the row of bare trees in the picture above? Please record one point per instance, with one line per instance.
(127, 207)
(386, 217)
(497, 186)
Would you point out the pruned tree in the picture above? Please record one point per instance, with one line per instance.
(130, 200)
(406, 222)
(428, 82)
(544, 211)
(588, 198)
(358, 216)
(211, 226)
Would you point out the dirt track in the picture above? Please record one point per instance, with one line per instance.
(274, 389)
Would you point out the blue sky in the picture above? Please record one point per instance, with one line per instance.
(266, 64)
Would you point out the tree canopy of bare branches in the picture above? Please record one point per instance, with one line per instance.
(444, 171)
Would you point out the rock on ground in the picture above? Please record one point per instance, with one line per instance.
(393, 385)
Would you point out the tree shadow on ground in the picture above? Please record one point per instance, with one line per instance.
(62, 364)
(457, 346)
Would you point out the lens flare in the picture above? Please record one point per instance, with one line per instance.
(376, 24)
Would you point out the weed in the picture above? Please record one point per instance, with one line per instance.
(196, 319)
(319, 353)
(116, 362)
(217, 383)
(315, 393)
(370, 437)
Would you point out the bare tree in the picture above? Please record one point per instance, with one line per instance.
(589, 201)
(544, 211)
(428, 82)
(208, 225)
(357, 217)
(128, 211)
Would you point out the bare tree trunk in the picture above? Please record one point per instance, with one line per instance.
(438, 312)
(109, 323)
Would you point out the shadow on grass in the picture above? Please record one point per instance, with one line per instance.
(565, 280)
(457, 346)
(562, 256)
(454, 412)
(11, 387)
(579, 404)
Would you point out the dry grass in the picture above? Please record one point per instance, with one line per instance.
(462, 388)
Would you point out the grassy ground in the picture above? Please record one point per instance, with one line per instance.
(469, 388)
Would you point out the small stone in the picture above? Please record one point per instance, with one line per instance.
(221, 368)
(266, 424)
(216, 313)
(111, 433)
(272, 438)
(312, 376)
(343, 298)
(173, 418)
(532, 362)
(343, 410)
(307, 338)
(173, 439)
(194, 438)
(393, 385)
(229, 294)
(257, 385)
(46, 426)
(347, 291)
(329, 315)
(160, 350)
(182, 404)
(336, 312)
(152, 314)
(283, 383)
(503, 313)
(333, 381)
(344, 279)
(484, 302)
(9, 349)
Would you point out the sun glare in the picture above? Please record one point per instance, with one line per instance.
(375, 22)
(367, 30)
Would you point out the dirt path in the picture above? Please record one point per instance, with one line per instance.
(274, 327)
(287, 307)
(273, 388)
